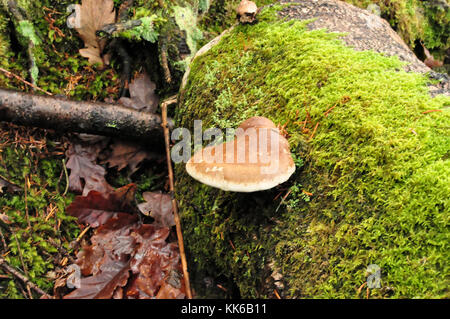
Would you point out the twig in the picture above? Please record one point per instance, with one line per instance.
(361, 287)
(276, 294)
(283, 200)
(431, 111)
(314, 132)
(329, 110)
(165, 63)
(174, 201)
(231, 244)
(23, 265)
(24, 279)
(67, 177)
(26, 201)
(15, 13)
(82, 234)
(112, 28)
(24, 81)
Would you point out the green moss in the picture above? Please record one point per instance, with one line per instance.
(377, 167)
(26, 29)
(39, 226)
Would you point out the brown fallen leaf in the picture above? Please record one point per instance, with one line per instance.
(125, 153)
(97, 208)
(112, 275)
(81, 162)
(129, 260)
(153, 264)
(142, 94)
(159, 206)
(93, 15)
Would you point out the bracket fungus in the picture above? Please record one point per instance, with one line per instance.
(246, 11)
(257, 159)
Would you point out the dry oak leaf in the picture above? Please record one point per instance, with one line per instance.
(159, 206)
(97, 208)
(112, 241)
(82, 166)
(153, 264)
(93, 15)
(113, 275)
(142, 94)
(125, 154)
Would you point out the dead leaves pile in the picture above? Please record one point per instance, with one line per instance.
(125, 258)
(85, 152)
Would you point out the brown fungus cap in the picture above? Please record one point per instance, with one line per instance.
(258, 158)
(246, 7)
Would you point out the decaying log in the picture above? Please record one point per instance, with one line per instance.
(79, 116)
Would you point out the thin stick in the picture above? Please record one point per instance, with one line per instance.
(361, 287)
(24, 279)
(24, 81)
(314, 132)
(174, 201)
(431, 111)
(82, 234)
(67, 177)
(26, 201)
(23, 265)
(276, 294)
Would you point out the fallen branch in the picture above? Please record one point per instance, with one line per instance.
(174, 201)
(31, 37)
(25, 280)
(79, 116)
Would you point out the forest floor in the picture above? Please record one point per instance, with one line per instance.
(55, 235)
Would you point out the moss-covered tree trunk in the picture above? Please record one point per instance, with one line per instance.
(371, 185)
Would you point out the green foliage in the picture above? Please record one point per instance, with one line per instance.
(148, 30)
(26, 29)
(377, 167)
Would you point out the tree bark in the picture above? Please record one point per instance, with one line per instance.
(79, 116)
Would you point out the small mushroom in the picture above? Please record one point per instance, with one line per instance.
(246, 11)
(258, 158)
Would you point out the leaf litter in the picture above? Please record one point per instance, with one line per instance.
(127, 258)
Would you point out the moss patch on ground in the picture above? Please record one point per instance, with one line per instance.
(374, 154)
(36, 236)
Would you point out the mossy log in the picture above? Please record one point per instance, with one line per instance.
(79, 116)
(372, 181)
